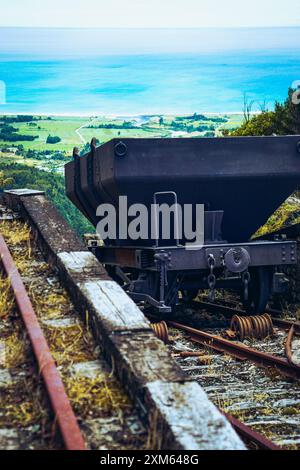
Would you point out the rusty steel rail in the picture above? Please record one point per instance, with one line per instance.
(286, 325)
(288, 348)
(249, 435)
(64, 415)
(239, 351)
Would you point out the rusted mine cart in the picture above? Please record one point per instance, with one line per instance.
(240, 182)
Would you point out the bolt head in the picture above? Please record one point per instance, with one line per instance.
(120, 149)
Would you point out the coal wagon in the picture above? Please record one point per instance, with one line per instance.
(239, 182)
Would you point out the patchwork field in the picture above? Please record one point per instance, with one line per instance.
(77, 131)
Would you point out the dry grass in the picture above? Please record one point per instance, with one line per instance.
(95, 396)
(18, 235)
(226, 403)
(6, 297)
(14, 344)
(22, 404)
(48, 304)
(205, 360)
(23, 414)
(69, 345)
(15, 233)
(70, 342)
(16, 351)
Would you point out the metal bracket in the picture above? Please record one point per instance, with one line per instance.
(161, 307)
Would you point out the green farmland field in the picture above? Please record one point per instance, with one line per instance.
(78, 131)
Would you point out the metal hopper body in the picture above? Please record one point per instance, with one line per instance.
(246, 178)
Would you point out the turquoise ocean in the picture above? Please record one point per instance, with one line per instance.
(130, 72)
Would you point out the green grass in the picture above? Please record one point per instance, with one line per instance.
(62, 127)
(103, 135)
(65, 128)
(234, 121)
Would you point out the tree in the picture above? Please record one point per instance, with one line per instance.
(248, 105)
(284, 120)
(53, 139)
(287, 115)
(53, 184)
(4, 181)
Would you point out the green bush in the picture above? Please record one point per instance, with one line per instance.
(21, 176)
(284, 120)
(53, 139)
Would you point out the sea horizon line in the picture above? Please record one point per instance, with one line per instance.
(151, 28)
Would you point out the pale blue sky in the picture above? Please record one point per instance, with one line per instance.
(149, 13)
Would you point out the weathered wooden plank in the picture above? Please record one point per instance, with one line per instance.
(114, 310)
(140, 358)
(24, 192)
(123, 314)
(182, 417)
(82, 265)
(52, 227)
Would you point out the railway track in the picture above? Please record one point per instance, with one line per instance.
(239, 351)
(263, 397)
(253, 438)
(55, 390)
(60, 404)
(223, 378)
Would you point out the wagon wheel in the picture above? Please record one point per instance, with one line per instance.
(189, 295)
(259, 290)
